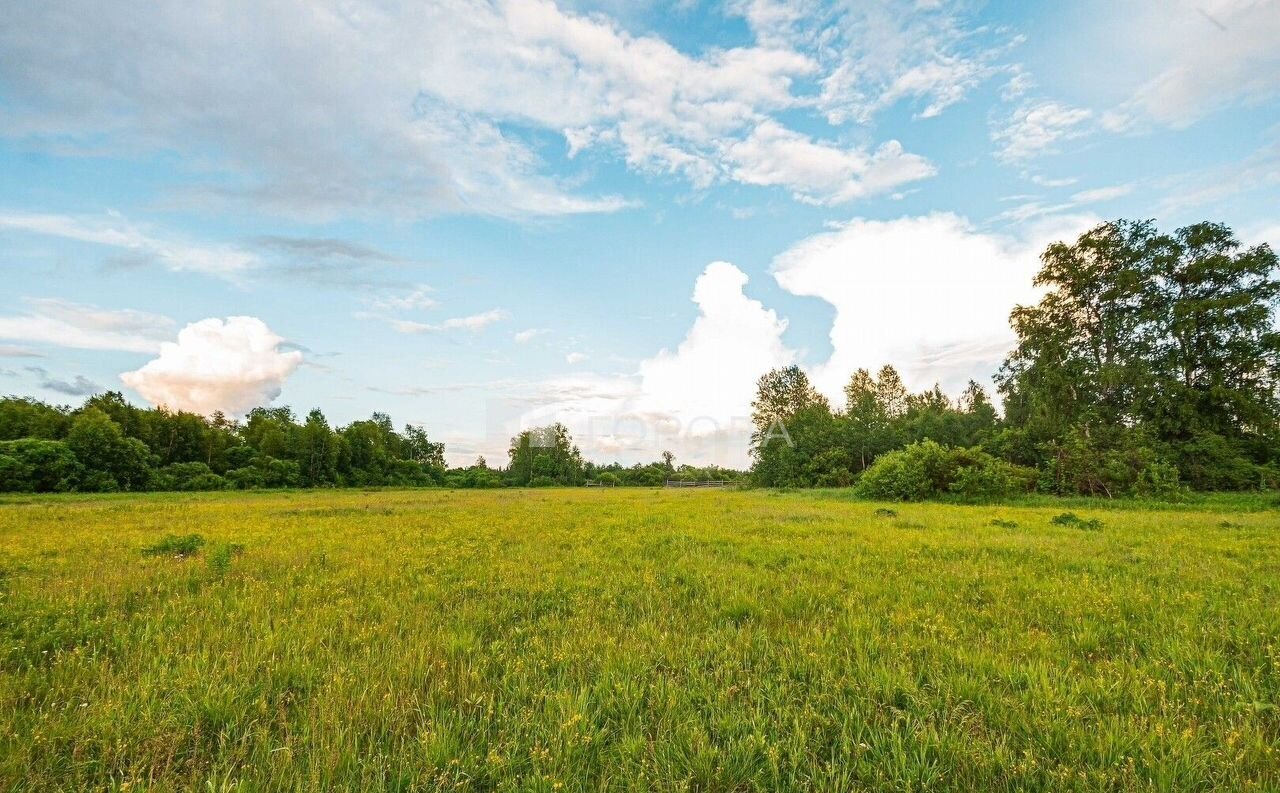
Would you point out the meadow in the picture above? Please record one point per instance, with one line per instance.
(563, 640)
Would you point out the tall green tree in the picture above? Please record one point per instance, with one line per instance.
(780, 394)
(111, 460)
(317, 451)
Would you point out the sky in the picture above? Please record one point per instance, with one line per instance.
(481, 216)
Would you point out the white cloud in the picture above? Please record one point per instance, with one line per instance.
(1029, 210)
(694, 400)
(418, 111)
(929, 294)
(1100, 194)
(230, 365)
(774, 155)
(875, 54)
(417, 298)
(1036, 128)
(114, 231)
(575, 357)
(527, 335)
(710, 377)
(473, 323)
(1043, 181)
(63, 323)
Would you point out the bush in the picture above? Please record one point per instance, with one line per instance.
(927, 469)
(173, 545)
(542, 481)
(1074, 521)
(906, 474)
(266, 472)
(186, 476)
(219, 561)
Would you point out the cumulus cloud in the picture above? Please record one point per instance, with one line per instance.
(712, 373)
(413, 112)
(64, 323)
(231, 365)
(694, 399)
(575, 357)
(929, 294)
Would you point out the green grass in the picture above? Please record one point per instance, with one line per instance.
(634, 640)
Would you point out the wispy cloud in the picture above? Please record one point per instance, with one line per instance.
(419, 297)
(473, 323)
(527, 335)
(113, 230)
(1037, 128)
(63, 323)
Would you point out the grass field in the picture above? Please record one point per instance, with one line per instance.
(634, 640)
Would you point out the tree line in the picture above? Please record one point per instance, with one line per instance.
(1151, 365)
(109, 445)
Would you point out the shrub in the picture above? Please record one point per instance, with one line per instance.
(173, 545)
(1075, 521)
(219, 561)
(186, 476)
(906, 474)
(542, 481)
(982, 477)
(928, 470)
(266, 472)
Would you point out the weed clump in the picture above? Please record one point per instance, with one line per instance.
(173, 545)
(1074, 521)
(220, 557)
(1004, 524)
(886, 513)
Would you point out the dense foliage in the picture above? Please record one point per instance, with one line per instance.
(109, 445)
(1151, 365)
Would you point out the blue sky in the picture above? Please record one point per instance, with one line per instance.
(479, 215)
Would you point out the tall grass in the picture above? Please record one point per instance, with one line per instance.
(634, 640)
